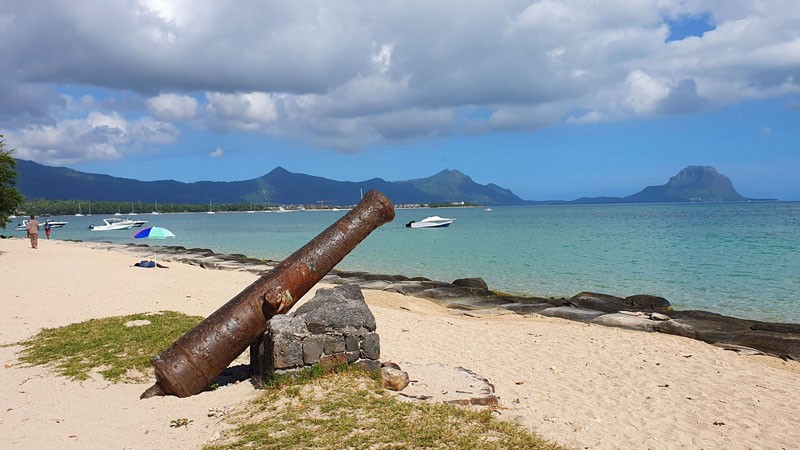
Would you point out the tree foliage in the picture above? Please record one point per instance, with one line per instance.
(10, 197)
(70, 207)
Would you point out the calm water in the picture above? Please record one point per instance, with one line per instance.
(738, 259)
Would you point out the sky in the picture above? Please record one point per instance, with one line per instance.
(553, 99)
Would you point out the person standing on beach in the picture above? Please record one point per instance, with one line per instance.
(47, 229)
(33, 232)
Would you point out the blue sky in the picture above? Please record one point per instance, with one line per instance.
(551, 99)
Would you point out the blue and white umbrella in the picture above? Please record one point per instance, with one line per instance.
(153, 233)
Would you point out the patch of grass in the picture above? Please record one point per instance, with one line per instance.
(183, 422)
(349, 409)
(303, 376)
(116, 352)
(311, 373)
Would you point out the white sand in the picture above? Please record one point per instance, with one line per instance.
(585, 386)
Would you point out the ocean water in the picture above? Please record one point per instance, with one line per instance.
(739, 259)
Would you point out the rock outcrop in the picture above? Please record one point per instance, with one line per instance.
(646, 312)
(692, 184)
(332, 329)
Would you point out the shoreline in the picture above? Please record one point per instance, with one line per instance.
(473, 297)
(781, 339)
(541, 256)
(580, 384)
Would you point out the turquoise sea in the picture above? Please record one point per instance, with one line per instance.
(739, 259)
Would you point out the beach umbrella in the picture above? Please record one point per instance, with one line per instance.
(153, 233)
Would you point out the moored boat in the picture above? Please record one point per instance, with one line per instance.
(55, 223)
(112, 224)
(430, 222)
(135, 223)
(24, 226)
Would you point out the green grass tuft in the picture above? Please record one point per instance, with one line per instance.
(349, 409)
(344, 409)
(106, 346)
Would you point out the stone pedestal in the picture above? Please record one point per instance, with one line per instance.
(334, 328)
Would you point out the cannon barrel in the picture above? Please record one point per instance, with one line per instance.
(190, 363)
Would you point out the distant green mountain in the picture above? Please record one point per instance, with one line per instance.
(692, 184)
(277, 187)
(36, 181)
(452, 184)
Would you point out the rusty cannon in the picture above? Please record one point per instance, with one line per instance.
(187, 367)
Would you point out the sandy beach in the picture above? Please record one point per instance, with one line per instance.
(584, 386)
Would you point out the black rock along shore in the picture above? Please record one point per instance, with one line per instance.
(471, 296)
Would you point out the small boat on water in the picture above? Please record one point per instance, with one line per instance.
(55, 223)
(430, 222)
(113, 224)
(24, 226)
(136, 223)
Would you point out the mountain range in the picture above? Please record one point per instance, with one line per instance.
(279, 186)
(276, 187)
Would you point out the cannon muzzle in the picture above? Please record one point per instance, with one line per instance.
(188, 366)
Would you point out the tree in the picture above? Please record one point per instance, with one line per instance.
(10, 197)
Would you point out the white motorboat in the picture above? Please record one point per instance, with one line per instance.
(128, 221)
(55, 223)
(134, 223)
(112, 224)
(430, 222)
(24, 226)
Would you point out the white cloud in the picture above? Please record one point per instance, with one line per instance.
(332, 74)
(173, 107)
(217, 153)
(643, 92)
(171, 11)
(589, 117)
(95, 137)
(246, 112)
(517, 118)
(383, 58)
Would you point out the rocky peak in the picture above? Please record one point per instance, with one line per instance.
(692, 184)
(699, 176)
(702, 183)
